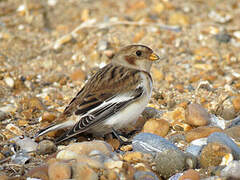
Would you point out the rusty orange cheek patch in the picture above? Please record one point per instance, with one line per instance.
(130, 59)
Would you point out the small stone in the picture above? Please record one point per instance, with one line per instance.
(234, 122)
(14, 129)
(177, 138)
(180, 126)
(157, 74)
(9, 81)
(22, 123)
(233, 132)
(158, 7)
(204, 85)
(190, 175)
(46, 147)
(194, 150)
(110, 164)
(78, 75)
(66, 155)
(201, 132)
(217, 122)
(212, 154)
(93, 162)
(220, 17)
(169, 162)
(114, 143)
(145, 175)
(136, 125)
(222, 138)
(206, 67)
(151, 143)
(140, 167)
(236, 103)
(49, 117)
(5, 35)
(40, 172)
(196, 115)
(226, 110)
(175, 176)
(111, 174)
(232, 170)
(87, 147)
(177, 115)
(150, 112)
(25, 143)
(19, 85)
(133, 157)
(223, 37)
(32, 103)
(159, 127)
(179, 19)
(226, 159)
(126, 148)
(59, 171)
(138, 36)
(191, 161)
(236, 34)
(108, 53)
(102, 45)
(4, 115)
(81, 171)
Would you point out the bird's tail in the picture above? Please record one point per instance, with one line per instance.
(54, 127)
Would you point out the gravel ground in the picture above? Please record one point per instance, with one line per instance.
(48, 49)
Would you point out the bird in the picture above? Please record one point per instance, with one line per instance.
(112, 98)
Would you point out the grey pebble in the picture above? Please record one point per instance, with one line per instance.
(223, 37)
(176, 176)
(150, 112)
(145, 175)
(191, 161)
(176, 138)
(20, 158)
(226, 140)
(151, 144)
(169, 162)
(234, 122)
(232, 170)
(194, 150)
(46, 147)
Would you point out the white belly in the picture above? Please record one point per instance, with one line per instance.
(129, 114)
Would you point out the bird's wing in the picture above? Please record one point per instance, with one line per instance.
(104, 85)
(97, 115)
(106, 93)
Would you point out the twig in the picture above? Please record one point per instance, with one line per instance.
(92, 24)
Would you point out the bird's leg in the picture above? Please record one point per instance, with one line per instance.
(122, 142)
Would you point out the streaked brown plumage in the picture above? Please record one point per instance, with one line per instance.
(108, 93)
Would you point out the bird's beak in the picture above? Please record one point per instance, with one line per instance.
(153, 57)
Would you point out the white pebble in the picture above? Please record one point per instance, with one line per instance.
(14, 129)
(9, 81)
(237, 34)
(66, 155)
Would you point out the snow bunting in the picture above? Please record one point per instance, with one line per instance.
(112, 98)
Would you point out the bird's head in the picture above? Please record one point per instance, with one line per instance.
(136, 56)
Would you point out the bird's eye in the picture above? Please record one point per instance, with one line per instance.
(138, 53)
